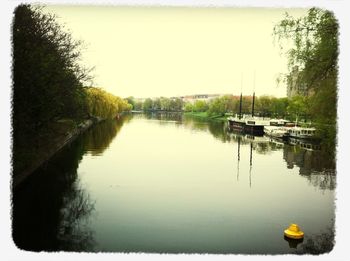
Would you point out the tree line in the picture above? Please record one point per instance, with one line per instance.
(157, 104)
(49, 81)
(264, 106)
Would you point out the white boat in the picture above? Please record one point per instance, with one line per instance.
(302, 133)
(276, 132)
(278, 122)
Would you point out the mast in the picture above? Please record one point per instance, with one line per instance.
(253, 104)
(253, 95)
(240, 107)
(240, 100)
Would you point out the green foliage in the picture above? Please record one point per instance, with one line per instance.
(131, 101)
(147, 105)
(103, 104)
(246, 104)
(200, 106)
(138, 105)
(47, 78)
(219, 106)
(297, 107)
(188, 107)
(157, 104)
(263, 104)
(315, 52)
(176, 104)
(48, 84)
(165, 104)
(279, 107)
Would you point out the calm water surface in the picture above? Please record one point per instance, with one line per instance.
(167, 183)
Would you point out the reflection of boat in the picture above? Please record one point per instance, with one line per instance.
(256, 139)
(245, 138)
(305, 144)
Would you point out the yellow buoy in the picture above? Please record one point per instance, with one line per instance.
(294, 232)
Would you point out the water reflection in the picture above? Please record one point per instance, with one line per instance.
(98, 138)
(164, 116)
(51, 210)
(55, 209)
(293, 243)
(315, 165)
(318, 244)
(74, 233)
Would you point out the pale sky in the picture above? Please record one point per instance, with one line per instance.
(173, 51)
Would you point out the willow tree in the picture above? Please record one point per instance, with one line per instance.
(103, 104)
(315, 52)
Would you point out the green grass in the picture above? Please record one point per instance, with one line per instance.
(204, 115)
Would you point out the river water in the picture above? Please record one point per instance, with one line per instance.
(165, 183)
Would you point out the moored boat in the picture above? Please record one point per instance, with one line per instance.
(255, 126)
(302, 133)
(236, 124)
(276, 132)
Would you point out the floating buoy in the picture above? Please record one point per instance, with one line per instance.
(294, 232)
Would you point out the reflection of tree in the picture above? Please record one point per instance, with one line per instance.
(317, 166)
(98, 138)
(166, 116)
(317, 244)
(74, 226)
(217, 129)
(50, 210)
(262, 148)
(37, 202)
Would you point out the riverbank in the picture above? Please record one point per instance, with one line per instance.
(205, 116)
(66, 131)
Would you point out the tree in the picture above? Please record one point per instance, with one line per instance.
(138, 105)
(221, 105)
(131, 101)
(246, 104)
(264, 105)
(188, 107)
(279, 107)
(105, 105)
(147, 105)
(176, 104)
(47, 78)
(217, 107)
(157, 104)
(200, 106)
(297, 108)
(165, 103)
(315, 52)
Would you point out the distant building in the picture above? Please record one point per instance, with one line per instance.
(201, 97)
(294, 85)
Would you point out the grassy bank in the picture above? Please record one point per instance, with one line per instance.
(205, 116)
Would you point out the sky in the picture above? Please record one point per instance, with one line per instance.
(175, 51)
